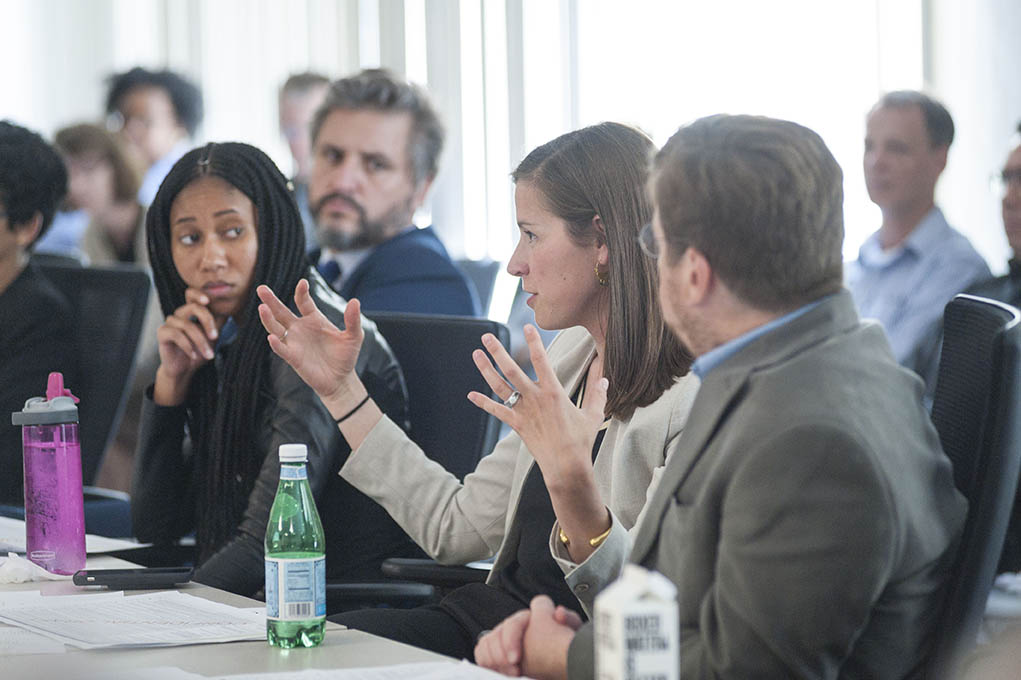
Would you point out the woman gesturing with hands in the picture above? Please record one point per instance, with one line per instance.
(556, 498)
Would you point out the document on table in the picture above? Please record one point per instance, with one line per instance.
(21, 641)
(12, 539)
(152, 620)
(435, 670)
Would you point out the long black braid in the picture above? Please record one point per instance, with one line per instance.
(222, 422)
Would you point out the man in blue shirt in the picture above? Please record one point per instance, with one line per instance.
(376, 143)
(909, 269)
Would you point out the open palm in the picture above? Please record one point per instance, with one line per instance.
(322, 355)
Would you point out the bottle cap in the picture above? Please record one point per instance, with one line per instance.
(293, 453)
(60, 408)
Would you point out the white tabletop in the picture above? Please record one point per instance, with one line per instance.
(341, 648)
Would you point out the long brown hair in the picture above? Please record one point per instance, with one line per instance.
(601, 171)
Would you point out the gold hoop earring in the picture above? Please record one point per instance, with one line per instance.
(603, 279)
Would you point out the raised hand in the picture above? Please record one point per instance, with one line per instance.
(558, 434)
(185, 342)
(320, 353)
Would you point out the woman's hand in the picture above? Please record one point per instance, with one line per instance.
(320, 353)
(557, 433)
(185, 342)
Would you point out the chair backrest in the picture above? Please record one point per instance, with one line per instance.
(977, 412)
(109, 306)
(483, 274)
(434, 352)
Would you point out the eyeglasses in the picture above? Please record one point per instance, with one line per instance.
(647, 241)
(1004, 181)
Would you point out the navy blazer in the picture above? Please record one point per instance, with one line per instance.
(411, 272)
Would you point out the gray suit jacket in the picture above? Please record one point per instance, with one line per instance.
(809, 516)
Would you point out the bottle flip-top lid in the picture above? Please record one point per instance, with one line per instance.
(57, 407)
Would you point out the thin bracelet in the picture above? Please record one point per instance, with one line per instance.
(352, 411)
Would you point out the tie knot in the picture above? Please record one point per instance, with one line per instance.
(330, 271)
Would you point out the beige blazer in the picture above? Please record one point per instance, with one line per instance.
(457, 522)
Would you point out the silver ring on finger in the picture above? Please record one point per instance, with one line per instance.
(514, 398)
(283, 338)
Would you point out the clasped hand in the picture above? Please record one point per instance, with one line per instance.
(532, 642)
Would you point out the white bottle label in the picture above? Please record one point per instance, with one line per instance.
(293, 472)
(295, 589)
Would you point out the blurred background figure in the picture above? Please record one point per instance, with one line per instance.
(35, 331)
(300, 96)
(1007, 288)
(156, 113)
(103, 184)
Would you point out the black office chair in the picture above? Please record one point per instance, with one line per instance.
(109, 305)
(977, 412)
(483, 274)
(434, 352)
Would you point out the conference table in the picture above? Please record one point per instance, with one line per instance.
(342, 648)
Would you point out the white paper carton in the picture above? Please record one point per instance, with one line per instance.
(636, 629)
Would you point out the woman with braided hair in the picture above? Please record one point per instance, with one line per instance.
(223, 222)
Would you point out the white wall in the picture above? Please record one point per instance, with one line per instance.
(508, 75)
(975, 67)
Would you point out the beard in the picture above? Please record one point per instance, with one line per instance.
(369, 233)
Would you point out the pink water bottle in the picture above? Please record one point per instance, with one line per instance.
(54, 511)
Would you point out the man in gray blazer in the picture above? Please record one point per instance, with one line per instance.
(809, 516)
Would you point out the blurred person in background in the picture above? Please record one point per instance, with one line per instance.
(157, 113)
(103, 182)
(1007, 288)
(376, 144)
(35, 330)
(300, 97)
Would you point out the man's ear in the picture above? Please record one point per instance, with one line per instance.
(421, 191)
(941, 158)
(25, 233)
(699, 274)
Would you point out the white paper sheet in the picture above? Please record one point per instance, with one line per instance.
(435, 670)
(441, 670)
(151, 620)
(12, 539)
(21, 641)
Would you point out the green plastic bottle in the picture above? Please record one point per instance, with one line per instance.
(295, 558)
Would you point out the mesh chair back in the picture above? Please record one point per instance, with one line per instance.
(482, 273)
(109, 305)
(976, 412)
(434, 352)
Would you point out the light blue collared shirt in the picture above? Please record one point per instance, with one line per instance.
(718, 355)
(64, 237)
(158, 171)
(906, 288)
